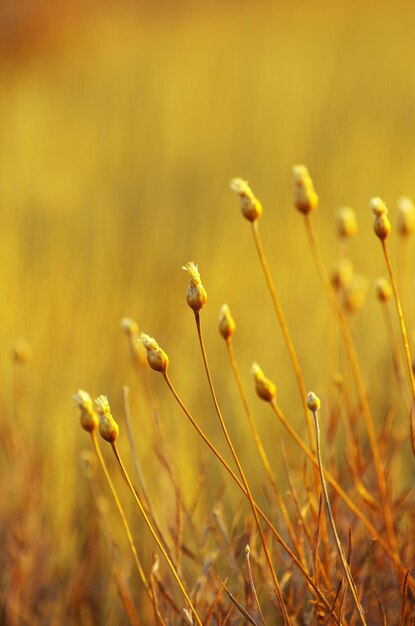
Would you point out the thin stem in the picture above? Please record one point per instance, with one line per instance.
(354, 362)
(154, 534)
(284, 329)
(280, 598)
(339, 547)
(120, 511)
(252, 584)
(401, 319)
(232, 474)
(396, 357)
(137, 464)
(260, 447)
(343, 495)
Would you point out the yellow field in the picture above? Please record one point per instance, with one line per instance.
(118, 139)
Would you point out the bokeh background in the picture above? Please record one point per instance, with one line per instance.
(121, 124)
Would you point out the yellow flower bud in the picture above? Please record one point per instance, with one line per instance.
(250, 205)
(265, 389)
(226, 322)
(305, 197)
(383, 289)
(129, 326)
(89, 419)
(381, 223)
(346, 222)
(196, 293)
(354, 294)
(108, 427)
(342, 274)
(313, 402)
(156, 357)
(406, 216)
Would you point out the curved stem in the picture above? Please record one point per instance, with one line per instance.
(120, 511)
(396, 357)
(357, 374)
(154, 534)
(284, 329)
(260, 448)
(232, 474)
(339, 547)
(401, 319)
(342, 494)
(283, 609)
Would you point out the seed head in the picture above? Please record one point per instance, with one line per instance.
(313, 402)
(383, 290)
(305, 197)
(108, 427)
(346, 222)
(381, 223)
(265, 389)
(89, 419)
(226, 322)
(129, 326)
(196, 294)
(406, 216)
(250, 205)
(156, 357)
(342, 274)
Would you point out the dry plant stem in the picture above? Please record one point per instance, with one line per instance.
(277, 536)
(260, 447)
(283, 609)
(343, 495)
(395, 353)
(354, 362)
(151, 403)
(404, 272)
(286, 334)
(252, 585)
(146, 497)
(120, 511)
(137, 465)
(156, 606)
(154, 534)
(339, 548)
(401, 319)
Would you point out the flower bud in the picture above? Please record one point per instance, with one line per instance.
(383, 290)
(354, 294)
(89, 419)
(226, 322)
(108, 427)
(381, 223)
(250, 206)
(129, 326)
(313, 402)
(406, 216)
(196, 293)
(342, 274)
(346, 222)
(305, 198)
(156, 357)
(265, 389)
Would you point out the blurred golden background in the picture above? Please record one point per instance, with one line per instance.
(121, 125)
